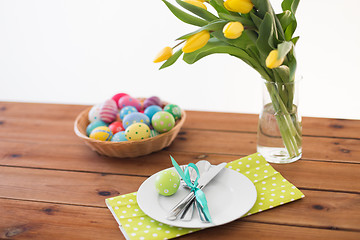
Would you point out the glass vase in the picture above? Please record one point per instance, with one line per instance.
(279, 135)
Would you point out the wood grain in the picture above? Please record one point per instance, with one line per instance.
(189, 140)
(317, 209)
(305, 174)
(53, 186)
(36, 220)
(196, 119)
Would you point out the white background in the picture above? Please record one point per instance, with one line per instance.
(83, 52)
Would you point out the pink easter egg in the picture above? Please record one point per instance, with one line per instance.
(117, 97)
(152, 101)
(108, 111)
(129, 101)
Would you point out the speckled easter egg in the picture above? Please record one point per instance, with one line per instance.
(94, 113)
(174, 109)
(129, 101)
(137, 131)
(163, 121)
(135, 117)
(152, 101)
(116, 127)
(108, 111)
(127, 110)
(119, 137)
(167, 182)
(94, 125)
(101, 133)
(151, 110)
(117, 97)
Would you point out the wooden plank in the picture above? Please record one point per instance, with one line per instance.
(318, 209)
(329, 127)
(33, 220)
(190, 140)
(246, 230)
(36, 220)
(46, 111)
(196, 119)
(305, 174)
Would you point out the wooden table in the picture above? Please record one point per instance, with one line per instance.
(52, 186)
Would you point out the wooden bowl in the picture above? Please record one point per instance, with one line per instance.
(127, 149)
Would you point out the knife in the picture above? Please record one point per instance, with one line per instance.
(203, 181)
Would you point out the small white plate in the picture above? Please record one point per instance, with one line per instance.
(229, 195)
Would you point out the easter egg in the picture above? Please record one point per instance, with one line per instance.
(108, 111)
(116, 127)
(167, 182)
(153, 133)
(119, 137)
(127, 110)
(94, 113)
(117, 96)
(101, 133)
(94, 125)
(152, 101)
(129, 101)
(163, 121)
(151, 110)
(174, 109)
(137, 131)
(135, 117)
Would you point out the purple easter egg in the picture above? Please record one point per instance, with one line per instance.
(152, 101)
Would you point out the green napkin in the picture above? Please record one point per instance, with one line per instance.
(272, 190)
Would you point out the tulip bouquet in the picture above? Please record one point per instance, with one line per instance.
(251, 31)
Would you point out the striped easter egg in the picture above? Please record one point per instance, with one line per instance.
(101, 133)
(108, 111)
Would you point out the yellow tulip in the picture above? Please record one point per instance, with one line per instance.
(241, 6)
(196, 41)
(197, 3)
(233, 30)
(272, 60)
(163, 55)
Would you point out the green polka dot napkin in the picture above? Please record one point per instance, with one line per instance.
(272, 189)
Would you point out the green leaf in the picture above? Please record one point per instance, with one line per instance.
(283, 72)
(242, 42)
(295, 39)
(292, 66)
(198, 11)
(284, 48)
(289, 31)
(244, 21)
(213, 26)
(286, 18)
(216, 46)
(185, 17)
(218, 5)
(290, 5)
(264, 7)
(257, 21)
(172, 59)
(265, 41)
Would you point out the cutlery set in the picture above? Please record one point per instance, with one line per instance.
(187, 205)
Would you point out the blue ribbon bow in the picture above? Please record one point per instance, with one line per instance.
(199, 194)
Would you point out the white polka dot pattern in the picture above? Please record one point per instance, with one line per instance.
(272, 189)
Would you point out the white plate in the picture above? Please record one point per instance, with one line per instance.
(229, 195)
